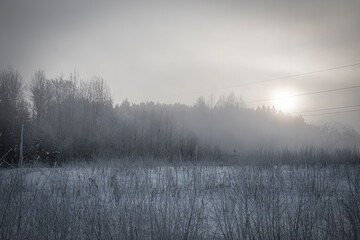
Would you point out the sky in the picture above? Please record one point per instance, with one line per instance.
(175, 51)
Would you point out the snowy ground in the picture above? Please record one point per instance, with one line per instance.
(189, 202)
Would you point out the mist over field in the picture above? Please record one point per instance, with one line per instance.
(179, 119)
(67, 119)
(85, 168)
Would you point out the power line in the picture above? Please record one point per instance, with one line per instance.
(296, 75)
(326, 109)
(318, 114)
(272, 79)
(302, 94)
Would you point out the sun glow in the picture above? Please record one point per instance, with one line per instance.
(284, 100)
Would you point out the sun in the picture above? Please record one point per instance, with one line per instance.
(284, 100)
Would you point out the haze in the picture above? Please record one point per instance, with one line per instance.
(167, 51)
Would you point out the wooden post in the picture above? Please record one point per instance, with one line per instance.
(20, 179)
(180, 156)
(196, 154)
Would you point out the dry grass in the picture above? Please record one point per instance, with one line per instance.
(182, 202)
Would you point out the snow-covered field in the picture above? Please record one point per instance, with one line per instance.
(181, 202)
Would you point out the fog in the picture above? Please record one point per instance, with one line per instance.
(179, 119)
(71, 118)
(177, 51)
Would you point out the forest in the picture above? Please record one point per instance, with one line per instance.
(70, 118)
(189, 120)
(92, 169)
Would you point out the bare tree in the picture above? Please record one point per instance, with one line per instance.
(13, 109)
(41, 91)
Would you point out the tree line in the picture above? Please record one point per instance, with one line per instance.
(67, 118)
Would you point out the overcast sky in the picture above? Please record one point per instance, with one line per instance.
(175, 51)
